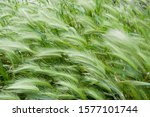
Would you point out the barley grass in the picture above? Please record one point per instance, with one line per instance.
(75, 49)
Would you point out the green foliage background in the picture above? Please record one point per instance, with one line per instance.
(75, 49)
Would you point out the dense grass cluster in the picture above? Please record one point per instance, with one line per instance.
(75, 49)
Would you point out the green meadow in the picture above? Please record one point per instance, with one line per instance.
(74, 50)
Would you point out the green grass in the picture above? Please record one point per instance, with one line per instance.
(75, 49)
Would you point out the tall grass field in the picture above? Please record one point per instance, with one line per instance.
(74, 49)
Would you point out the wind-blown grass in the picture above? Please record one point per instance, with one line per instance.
(75, 49)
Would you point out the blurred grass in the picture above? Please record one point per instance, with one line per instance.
(73, 49)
